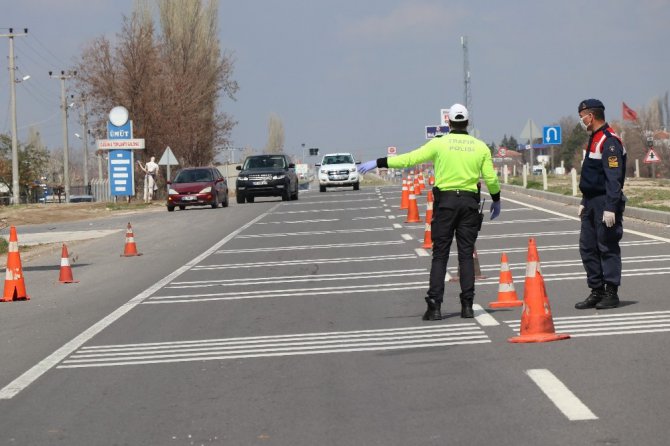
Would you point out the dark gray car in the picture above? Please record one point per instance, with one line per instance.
(266, 176)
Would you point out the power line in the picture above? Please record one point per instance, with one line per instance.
(56, 59)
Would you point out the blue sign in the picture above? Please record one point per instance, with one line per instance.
(124, 131)
(551, 134)
(121, 178)
(436, 130)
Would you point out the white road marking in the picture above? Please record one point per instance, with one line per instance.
(525, 234)
(306, 262)
(374, 217)
(421, 252)
(28, 377)
(406, 237)
(273, 346)
(304, 233)
(497, 251)
(307, 247)
(529, 220)
(561, 396)
(320, 220)
(294, 279)
(331, 202)
(313, 211)
(483, 317)
(397, 225)
(391, 217)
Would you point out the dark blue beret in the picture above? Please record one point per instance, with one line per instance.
(590, 103)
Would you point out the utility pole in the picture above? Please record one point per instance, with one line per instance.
(467, 92)
(84, 124)
(12, 89)
(66, 156)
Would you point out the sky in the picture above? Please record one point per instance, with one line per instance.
(362, 75)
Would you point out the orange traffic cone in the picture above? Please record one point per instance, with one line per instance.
(417, 188)
(65, 268)
(130, 249)
(431, 180)
(15, 287)
(537, 324)
(427, 237)
(422, 182)
(404, 197)
(412, 210)
(506, 293)
(429, 206)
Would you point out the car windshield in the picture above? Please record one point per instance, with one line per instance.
(265, 162)
(338, 159)
(194, 176)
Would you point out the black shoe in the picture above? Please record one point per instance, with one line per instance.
(433, 311)
(596, 296)
(610, 299)
(467, 312)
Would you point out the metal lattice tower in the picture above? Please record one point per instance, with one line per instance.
(467, 91)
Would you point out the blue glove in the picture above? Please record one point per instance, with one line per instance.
(495, 209)
(367, 166)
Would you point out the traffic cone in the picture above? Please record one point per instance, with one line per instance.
(417, 188)
(412, 210)
(404, 197)
(422, 182)
(65, 268)
(431, 180)
(506, 293)
(429, 206)
(130, 249)
(478, 270)
(427, 237)
(15, 287)
(537, 324)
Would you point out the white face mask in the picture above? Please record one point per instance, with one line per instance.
(583, 124)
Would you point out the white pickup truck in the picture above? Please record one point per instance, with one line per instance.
(337, 170)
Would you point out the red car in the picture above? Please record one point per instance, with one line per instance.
(197, 186)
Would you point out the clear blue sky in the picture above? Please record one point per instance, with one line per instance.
(362, 75)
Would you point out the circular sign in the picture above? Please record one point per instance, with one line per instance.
(118, 115)
(502, 151)
(391, 151)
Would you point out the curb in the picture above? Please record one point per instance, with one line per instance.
(631, 212)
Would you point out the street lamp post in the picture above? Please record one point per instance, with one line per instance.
(66, 162)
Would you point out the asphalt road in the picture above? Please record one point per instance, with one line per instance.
(298, 323)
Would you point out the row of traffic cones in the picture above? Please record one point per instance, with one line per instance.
(15, 287)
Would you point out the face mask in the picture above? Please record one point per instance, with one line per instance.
(581, 123)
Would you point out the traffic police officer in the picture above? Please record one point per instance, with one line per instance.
(602, 206)
(459, 159)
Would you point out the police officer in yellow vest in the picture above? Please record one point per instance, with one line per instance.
(459, 159)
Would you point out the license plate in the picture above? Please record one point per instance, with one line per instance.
(189, 198)
(339, 177)
(260, 183)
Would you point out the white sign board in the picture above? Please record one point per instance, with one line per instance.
(120, 144)
(444, 116)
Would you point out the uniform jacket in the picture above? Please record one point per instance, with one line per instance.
(604, 168)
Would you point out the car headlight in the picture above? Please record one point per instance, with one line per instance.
(243, 178)
(279, 177)
(352, 169)
(324, 171)
(172, 192)
(206, 190)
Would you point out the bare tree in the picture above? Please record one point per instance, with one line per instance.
(275, 142)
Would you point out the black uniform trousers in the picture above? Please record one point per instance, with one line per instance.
(599, 245)
(454, 213)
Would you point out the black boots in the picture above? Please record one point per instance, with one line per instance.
(603, 298)
(433, 311)
(596, 296)
(466, 310)
(610, 299)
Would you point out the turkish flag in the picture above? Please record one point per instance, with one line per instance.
(628, 113)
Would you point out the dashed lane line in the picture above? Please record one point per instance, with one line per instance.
(306, 233)
(566, 401)
(305, 262)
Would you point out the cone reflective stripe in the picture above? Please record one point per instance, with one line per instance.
(429, 206)
(65, 268)
(130, 248)
(506, 293)
(416, 188)
(413, 210)
(537, 323)
(404, 197)
(15, 287)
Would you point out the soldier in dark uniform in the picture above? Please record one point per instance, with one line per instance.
(602, 207)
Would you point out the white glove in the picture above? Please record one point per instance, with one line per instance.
(581, 209)
(608, 218)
